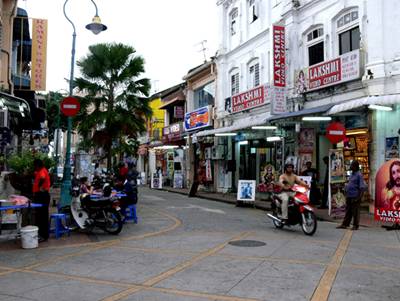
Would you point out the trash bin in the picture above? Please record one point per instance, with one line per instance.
(29, 237)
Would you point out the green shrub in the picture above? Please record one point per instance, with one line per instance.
(23, 163)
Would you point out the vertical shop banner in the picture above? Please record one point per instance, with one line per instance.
(246, 190)
(278, 44)
(306, 140)
(387, 192)
(392, 148)
(336, 166)
(209, 177)
(39, 54)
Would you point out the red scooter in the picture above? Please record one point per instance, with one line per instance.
(299, 210)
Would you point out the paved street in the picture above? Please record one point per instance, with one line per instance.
(180, 251)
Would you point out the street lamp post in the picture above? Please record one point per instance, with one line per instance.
(96, 27)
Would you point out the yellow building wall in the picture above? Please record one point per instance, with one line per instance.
(156, 123)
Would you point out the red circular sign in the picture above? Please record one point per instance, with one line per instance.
(335, 132)
(70, 106)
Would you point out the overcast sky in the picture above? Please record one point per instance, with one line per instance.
(167, 33)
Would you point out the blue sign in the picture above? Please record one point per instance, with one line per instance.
(198, 119)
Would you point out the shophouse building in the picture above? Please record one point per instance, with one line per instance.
(199, 116)
(282, 63)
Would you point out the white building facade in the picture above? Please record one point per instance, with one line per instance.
(339, 57)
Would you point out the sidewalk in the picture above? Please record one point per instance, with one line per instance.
(366, 219)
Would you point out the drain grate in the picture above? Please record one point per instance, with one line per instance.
(247, 243)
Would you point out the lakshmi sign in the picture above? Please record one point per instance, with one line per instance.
(198, 119)
(339, 70)
(278, 39)
(39, 54)
(249, 99)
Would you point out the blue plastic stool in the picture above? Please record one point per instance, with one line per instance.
(130, 214)
(59, 221)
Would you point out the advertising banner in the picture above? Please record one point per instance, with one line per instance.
(246, 190)
(197, 119)
(387, 192)
(172, 132)
(156, 180)
(178, 179)
(339, 70)
(249, 99)
(278, 44)
(306, 139)
(39, 54)
(336, 166)
(392, 148)
(278, 101)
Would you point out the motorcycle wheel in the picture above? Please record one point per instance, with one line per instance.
(310, 225)
(277, 224)
(113, 222)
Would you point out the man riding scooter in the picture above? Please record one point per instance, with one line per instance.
(286, 181)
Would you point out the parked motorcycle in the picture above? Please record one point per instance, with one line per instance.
(299, 210)
(102, 212)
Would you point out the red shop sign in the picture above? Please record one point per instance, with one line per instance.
(335, 132)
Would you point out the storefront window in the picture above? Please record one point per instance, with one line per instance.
(204, 96)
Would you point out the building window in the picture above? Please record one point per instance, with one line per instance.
(348, 32)
(235, 83)
(254, 74)
(349, 40)
(233, 21)
(253, 10)
(315, 45)
(204, 95)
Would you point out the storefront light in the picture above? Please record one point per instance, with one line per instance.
(274, 139)
(166, 147)
(380, 108)
(317, 118)
(245, 142)
(357, 132)
(264, 127)
(225, 134)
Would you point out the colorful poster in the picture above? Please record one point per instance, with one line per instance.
(246, 190)
(267, 176)
(308, 180)
(303, 159)
(387, 192)
(337, 200)
(306, 140)
(392, 148)
(197, 119)
(336, 166)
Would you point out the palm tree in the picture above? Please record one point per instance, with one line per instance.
(116, 104)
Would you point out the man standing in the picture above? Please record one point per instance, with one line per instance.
(41, 195)
(325, 194)
(355, 189)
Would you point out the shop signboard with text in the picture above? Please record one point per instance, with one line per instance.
(278, 45)
(339, 70)
(172, 132)
(197, 119)
(250, 99)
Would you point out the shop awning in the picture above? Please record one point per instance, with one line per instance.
(175, 101)
(383, 100)
(237, 125)
(305, 112)
(15, 105)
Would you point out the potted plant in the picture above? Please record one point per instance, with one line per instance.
(22, 167)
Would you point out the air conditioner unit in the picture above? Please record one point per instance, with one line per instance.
(218, 152)
(4, 118)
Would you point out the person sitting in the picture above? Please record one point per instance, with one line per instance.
(286, 181)
(84, 186)
(124, 186)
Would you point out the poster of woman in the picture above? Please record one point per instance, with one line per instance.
(246, 190)
(387, 192)
(336, 166)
